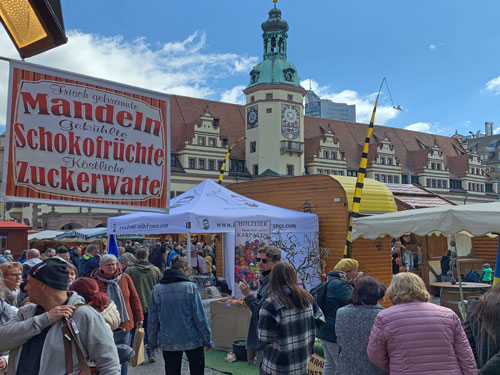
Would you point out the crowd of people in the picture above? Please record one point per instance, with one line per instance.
(88, 306)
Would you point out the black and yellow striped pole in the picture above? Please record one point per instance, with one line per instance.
(360, 182)
(223, 167)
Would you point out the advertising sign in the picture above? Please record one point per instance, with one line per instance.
(250, 235)
(81, 141)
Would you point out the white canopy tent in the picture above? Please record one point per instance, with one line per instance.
(211, 208)
(475, 219)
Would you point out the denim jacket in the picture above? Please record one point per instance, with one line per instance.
(176, 318)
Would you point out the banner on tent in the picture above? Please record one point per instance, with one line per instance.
(250, 235)
(82, 141)
(302, 251)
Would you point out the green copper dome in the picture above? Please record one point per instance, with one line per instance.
(275, 69)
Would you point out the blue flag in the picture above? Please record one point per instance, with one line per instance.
(112, 245)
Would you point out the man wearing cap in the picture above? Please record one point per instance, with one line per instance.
(35, 334)
(63, 252)
(338, 292)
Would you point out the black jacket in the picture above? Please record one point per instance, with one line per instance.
(254, 303)
(486, 349)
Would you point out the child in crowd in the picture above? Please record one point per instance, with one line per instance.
(487, 272)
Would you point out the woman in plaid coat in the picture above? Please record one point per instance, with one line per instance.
(287, 324)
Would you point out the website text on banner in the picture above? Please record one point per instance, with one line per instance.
(86, 142)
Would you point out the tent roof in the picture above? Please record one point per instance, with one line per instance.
(476, 219)
(211, 208)
(44, 235)
(84, 234)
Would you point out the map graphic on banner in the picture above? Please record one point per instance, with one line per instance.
(77, 140)
(250, 235)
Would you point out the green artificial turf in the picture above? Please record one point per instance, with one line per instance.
(214, 359)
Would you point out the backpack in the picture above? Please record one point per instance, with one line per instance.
(319, 294)
(472, 277)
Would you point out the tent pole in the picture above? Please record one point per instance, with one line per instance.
(188, 247)
(461, 305)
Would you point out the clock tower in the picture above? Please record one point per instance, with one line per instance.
(274, 107)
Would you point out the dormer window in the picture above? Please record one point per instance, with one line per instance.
(254, 76)
(289, 74)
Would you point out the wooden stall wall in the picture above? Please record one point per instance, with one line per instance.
(485, 247)
(374, 257)
(321, 195)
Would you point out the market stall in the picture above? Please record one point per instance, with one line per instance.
(211, 208)
(471, 219)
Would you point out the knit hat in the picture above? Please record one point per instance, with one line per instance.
(52, 272)
(486, 265)
(346, 265)
(89, 290)
(62, 250)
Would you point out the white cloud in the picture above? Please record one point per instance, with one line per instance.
(435, 46)
(424, 127)
(177, 67)
(496, 131)
(364, 104)
(431, 127)
(492, 86)
(234, 95)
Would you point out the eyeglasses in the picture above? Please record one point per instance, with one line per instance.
(263, 260)
(109, 265)
(14, 274)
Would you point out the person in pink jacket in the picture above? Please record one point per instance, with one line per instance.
(417, 337)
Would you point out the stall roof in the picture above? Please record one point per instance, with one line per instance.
(44, 235)
(476, 219)
(13, 225)
(413, 196)
(376, 196)
(84, 234)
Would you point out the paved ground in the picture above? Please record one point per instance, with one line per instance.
(158, 368)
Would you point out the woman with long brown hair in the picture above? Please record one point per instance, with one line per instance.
(483, 331)
(287, 324)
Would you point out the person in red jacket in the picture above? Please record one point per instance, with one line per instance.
(417, 337)
(121, 290)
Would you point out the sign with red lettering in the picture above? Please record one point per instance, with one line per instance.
(80, 141)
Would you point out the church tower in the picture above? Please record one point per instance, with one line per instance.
(274, 107)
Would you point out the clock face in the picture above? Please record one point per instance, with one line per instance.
(252, 117)
(290, 121)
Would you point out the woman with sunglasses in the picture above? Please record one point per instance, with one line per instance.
(267, 258)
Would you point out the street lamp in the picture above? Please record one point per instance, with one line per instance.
(34, 26)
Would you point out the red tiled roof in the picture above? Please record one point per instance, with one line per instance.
(459, 164)
(186, 111)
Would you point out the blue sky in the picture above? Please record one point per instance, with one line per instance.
(440, 58)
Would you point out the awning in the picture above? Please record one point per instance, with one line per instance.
(84, 234)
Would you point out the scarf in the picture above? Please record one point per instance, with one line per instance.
(115, 294)
(11, 295)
